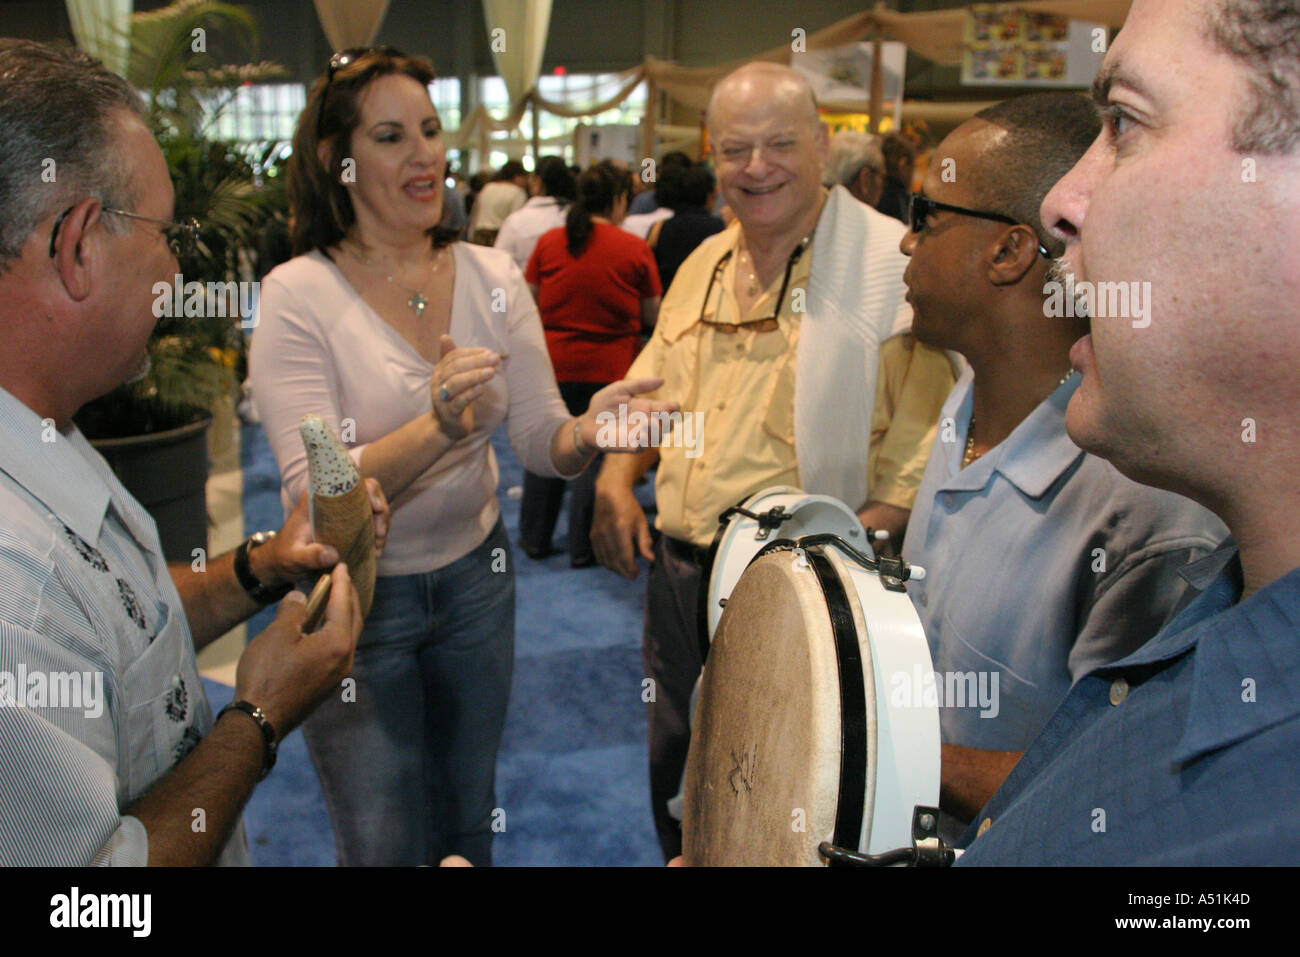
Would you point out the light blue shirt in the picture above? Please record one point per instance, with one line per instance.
(1042, 562)
(99, 691)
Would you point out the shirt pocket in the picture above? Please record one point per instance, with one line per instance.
(1007, 711)
(771, 351)
(155, 694)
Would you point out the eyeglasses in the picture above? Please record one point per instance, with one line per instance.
(922, 206)
(341, 59)
(758, 325)
(182, 237)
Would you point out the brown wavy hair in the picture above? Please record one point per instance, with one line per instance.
(319, 203)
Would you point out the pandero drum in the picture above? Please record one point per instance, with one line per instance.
(802, 751)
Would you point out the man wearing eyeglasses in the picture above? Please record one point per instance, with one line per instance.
(778, 333)
(111, 752)
(1042, 562)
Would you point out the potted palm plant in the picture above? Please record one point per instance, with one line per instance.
(153, 432)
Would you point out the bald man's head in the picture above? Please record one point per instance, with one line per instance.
(769, 147)
(763, 81)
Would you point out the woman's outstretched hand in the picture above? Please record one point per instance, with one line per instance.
(618, 421)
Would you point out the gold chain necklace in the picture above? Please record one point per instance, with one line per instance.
(971, 455)
(417, 301)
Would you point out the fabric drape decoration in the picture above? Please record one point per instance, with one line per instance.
(517, 36)
(103, 29)
(937, 36)
(350, 23)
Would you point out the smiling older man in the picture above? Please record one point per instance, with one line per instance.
(1185, 752)
(804, 289)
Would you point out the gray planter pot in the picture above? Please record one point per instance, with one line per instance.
(167, 472)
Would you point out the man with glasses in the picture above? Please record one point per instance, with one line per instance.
(1042, 562)
(125, 764)
(776, 333)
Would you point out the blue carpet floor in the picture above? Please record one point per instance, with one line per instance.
(571, 776)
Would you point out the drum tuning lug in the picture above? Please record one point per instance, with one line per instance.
(769, 521)
(930, 851)
(927, 849)
(893, 572)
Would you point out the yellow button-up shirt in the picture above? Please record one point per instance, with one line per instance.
(736, 375)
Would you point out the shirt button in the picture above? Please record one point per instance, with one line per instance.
(721, 406)
(984, 826)
(1118, 691)
(947, 500)
(925, 600)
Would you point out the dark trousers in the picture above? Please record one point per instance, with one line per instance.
(543, 497)
(671, 654)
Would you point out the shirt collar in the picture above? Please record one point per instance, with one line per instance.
(1033, 457)
(1247, 665)
(1247, 662)
(1202, 573)
(56, 468)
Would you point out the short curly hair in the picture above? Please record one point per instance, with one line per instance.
(1265, 36)
(55, 104)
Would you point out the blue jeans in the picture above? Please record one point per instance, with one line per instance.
(408, 767)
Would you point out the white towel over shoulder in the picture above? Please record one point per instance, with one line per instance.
(855, 302)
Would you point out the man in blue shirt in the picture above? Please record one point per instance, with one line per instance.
(1006, 496)
(1185, 751)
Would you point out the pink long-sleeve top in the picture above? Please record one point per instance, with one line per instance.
(318, 347)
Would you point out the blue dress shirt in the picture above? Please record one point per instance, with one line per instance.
(1185, 752)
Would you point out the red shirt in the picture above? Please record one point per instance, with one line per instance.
(591, 306)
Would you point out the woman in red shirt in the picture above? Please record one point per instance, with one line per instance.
(595, 286)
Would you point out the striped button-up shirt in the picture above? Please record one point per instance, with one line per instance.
(99, 690)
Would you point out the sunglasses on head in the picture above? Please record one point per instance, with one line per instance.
(922, 206)
(341, 59)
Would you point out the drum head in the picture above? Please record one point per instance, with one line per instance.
(762, 778)
(795, 740)
(738, 542)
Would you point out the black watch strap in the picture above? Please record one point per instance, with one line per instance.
(270, 741)
(264, 594)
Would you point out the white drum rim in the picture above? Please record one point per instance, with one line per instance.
(725, 551)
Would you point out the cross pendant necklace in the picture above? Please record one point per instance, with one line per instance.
(417, 302)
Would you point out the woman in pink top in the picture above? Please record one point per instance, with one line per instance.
(414, 347)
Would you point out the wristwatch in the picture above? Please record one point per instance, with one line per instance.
(263, 594)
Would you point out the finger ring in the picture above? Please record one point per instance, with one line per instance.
(444, 394)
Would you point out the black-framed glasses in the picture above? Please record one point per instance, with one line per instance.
(182, 237)
(758, 325)
(337, 62)
(922, 206)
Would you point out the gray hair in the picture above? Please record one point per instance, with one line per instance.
(55, 145)
(1265, 36)
(850, 152)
